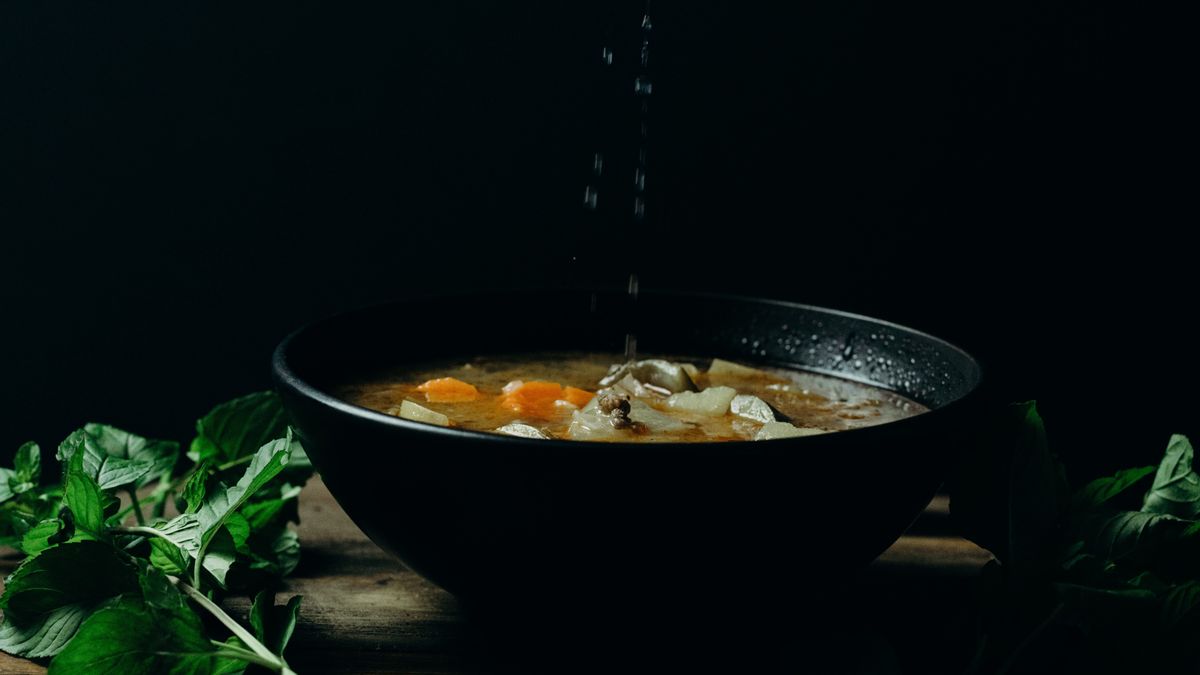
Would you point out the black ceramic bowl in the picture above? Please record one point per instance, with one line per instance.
(494, 518)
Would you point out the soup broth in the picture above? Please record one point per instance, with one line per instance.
(581, 396)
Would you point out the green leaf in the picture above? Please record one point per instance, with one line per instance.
(88, 503)
(1140, 541)
(221, 556)
(167, 556)
(45, 634)
(1103, 490)
(1009, 493)
(276, 552)
(1176, 487)
(74, 572)
(274, 624)
(197, 486)
(46, 534)
(222, 502)
(238, 428)
(239, 530)
(27, 468)
(273, 511)
(18, 515)
(132, 637)
(48, 596)
(231, 667)
(195, 532)
(159, 592)
(1180, 603)
(7, 476)
(116, 458)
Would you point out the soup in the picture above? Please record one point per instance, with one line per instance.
(593, 397)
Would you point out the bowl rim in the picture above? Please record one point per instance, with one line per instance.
(286, 376)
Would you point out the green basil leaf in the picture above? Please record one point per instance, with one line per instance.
(88, 503)
(27, 465)
(1176, 487)
(1104, 490)
(7, 477)
(17, 516)
(49, 595)
(158, 591)
(133, 638)
(239, 531)
(1180, 603)
(221, 556)
(222, 501)
(44, 535)
(197, 486)
(1140, 541)
(196, 533)
(117, 458)
(238, 428)
(274, 624)
(167, 556)
(275, 552)
(45, 634)
(1009, 493)
(74, 572)
(272, 511)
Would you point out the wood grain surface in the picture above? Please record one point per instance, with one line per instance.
(363, 613)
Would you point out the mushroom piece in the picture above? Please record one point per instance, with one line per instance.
(657, 372)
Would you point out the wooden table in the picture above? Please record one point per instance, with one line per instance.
(913, 608)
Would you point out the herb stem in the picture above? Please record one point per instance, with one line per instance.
(236, 462)
(136, 506)
(271, 661)
(233, 651)
(140, 529)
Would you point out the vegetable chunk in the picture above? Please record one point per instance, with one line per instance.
(576, 396)
(713, 401)
(541, 399)
(418, 413)
(657, 372)
(772, 430)
(752, 408)
(522, 430)
(448, 390)
(723, 367)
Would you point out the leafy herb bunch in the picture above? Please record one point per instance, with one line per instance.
(1100, 578)
(128, 590)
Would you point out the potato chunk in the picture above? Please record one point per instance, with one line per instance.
(723, 367)
(713, 401)
(772, 430)
(752, 408)
(417, 413)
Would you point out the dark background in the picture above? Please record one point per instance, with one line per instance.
(182, 184)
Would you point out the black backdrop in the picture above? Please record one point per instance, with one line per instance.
(181, 184)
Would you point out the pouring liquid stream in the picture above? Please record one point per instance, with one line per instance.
(642, 89)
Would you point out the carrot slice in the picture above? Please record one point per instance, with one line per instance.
(576, 396)
(535, 399)
(448, 390)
